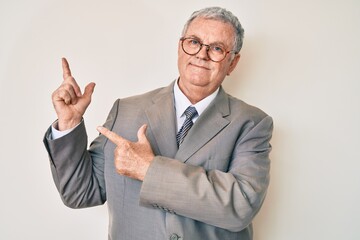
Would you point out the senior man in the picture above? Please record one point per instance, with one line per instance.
(186, 161)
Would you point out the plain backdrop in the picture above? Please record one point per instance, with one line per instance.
(300, 64)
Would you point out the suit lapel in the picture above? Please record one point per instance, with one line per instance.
(162, 121)
(209, 124)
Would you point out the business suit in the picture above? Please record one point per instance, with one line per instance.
(209, 188)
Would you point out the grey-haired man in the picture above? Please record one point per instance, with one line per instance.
(186, 161)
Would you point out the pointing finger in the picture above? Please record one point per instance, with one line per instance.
(69, 78)
(111, 135)
(66, 68)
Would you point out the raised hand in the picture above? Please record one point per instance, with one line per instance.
(69, 103)
(131, 159)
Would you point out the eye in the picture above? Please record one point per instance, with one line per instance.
(217, 49)
(193, 41)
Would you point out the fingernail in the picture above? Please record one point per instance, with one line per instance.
(99, 128)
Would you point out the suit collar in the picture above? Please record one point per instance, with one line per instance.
(162, 121)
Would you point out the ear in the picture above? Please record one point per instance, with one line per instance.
(233, 63)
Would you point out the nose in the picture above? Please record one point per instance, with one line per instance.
(203, 53)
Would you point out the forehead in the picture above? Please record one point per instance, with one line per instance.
(211, 30)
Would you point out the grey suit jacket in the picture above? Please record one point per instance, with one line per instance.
(209, 188)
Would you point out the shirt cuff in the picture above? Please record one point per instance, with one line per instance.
(55, 134)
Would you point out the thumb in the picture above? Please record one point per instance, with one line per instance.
(141, 134)
(89, 89)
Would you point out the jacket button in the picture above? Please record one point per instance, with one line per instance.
(174, 236)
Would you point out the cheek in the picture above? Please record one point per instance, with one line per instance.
(182, 57)
(222, 70)
(180, 65)
(182, 62)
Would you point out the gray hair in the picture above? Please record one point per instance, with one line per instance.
(221, 14)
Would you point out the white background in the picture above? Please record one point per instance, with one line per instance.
(300, 63)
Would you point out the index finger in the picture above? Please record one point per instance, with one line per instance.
(66, 68)
(111, 135)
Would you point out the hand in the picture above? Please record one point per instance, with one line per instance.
(132, 159)
(69, 103)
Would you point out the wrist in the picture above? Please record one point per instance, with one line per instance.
(67, 124)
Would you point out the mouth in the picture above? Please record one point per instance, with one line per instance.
(199, 66)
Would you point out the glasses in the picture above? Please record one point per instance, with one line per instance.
(215, 52)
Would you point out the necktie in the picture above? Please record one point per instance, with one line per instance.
(190, 112)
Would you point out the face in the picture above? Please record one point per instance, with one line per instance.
(199, 76)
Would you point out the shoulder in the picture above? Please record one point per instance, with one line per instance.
(235, 107)
(239, 106)
(241, 111)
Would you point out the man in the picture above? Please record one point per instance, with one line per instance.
(168, 171)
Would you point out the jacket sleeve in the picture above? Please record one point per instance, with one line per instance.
(228, 200)
(78, 173)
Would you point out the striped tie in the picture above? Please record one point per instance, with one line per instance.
(190, 112)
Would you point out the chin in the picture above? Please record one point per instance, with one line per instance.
(198, 81)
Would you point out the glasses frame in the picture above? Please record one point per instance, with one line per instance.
(201, 46)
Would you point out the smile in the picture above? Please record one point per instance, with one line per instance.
(199, 66)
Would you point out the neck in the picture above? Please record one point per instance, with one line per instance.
(195, 93)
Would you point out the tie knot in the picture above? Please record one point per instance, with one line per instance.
(190, 112)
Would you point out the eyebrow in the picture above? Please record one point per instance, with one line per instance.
(213, 43)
